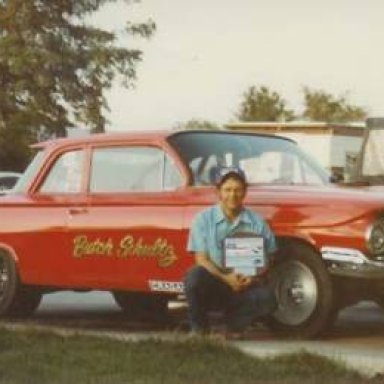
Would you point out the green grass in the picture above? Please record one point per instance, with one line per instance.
(43, 357)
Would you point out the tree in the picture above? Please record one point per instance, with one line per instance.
(322, 106)
(197, 124)
(55, 67)
(262, 104)
(14, 148)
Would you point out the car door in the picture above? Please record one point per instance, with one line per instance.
(44, 243)
(131, 235)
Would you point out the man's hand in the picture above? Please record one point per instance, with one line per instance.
(237, 282)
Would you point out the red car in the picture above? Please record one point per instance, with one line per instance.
(112, 212)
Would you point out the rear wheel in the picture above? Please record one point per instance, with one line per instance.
(15, 299)
(142, 306)
(304, 293)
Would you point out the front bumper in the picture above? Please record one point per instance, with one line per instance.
(352, 263)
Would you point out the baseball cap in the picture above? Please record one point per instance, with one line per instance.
(220, 174)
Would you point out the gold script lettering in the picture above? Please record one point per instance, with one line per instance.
(160, 249)
(83, 247)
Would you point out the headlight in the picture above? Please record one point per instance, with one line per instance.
(375, 237)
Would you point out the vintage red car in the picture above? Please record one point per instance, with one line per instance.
(112, 212)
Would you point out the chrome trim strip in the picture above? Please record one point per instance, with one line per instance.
(351, 262)
(347, 255)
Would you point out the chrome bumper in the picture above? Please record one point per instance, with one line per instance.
(352, 263)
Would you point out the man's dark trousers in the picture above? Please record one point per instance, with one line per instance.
(205, 292)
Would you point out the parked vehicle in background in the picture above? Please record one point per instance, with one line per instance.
(8, 181)
(113, 212)
(370, 163)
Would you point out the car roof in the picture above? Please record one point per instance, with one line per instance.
(102, 137)
(152, 135)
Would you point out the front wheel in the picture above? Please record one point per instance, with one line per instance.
(304, 293)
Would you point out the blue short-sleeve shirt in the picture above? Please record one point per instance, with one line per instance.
(210, 227)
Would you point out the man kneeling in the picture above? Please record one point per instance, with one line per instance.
(243, 297)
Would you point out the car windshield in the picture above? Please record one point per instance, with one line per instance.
(264, 159)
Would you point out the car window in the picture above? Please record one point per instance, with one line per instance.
(65, 174)
(30, 173)
(132, 169)
(172, 177)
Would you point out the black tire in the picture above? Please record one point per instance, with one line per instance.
(304, 293)
(142, 306)
(379, 300)
(9, 283)
(26, 302)
(15, 299)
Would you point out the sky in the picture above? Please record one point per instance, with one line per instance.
(206, 53)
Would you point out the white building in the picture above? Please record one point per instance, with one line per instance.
(334, 146)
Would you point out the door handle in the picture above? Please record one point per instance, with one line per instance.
(77, 210)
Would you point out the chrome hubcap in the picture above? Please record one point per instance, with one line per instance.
(296, 292)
